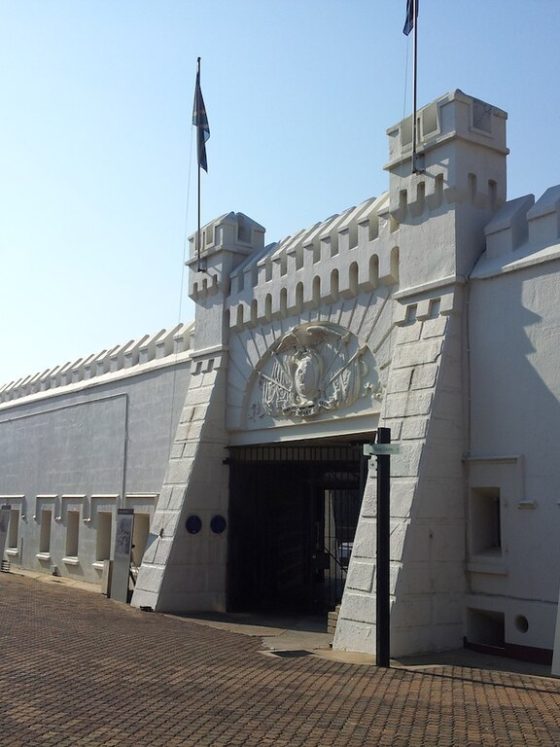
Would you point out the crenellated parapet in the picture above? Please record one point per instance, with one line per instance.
(131, 355)
(522, 233)
(224, 243)
(476, 173)
(340, 257)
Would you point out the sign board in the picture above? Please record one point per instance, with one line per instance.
(5, 513)
(121, 559)
(381, 449)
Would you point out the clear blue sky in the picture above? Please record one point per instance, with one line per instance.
(95, 136)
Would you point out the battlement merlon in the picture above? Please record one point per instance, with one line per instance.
(476, 172)
(225, 242)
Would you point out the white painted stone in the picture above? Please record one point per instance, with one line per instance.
(360, 577)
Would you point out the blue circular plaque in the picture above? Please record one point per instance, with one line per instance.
(218, 524)
(193, 524)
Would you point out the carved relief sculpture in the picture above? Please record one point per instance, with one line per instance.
(314, 368)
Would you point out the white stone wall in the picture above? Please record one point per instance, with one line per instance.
(514, 343)
(90, 445)
(182, 571)
(423, 408)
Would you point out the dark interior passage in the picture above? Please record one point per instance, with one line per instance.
(293, 517)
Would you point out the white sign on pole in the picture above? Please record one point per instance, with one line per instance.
(121, 560)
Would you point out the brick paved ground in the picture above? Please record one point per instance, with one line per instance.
(76, 669)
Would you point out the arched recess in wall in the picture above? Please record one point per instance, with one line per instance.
(395, 263)
(316, 290)
(284, 301)
(299, 297)
(353, 278)
(268, 307)
(374, 270)
(334, 285)
(240, 315)
(254, 311)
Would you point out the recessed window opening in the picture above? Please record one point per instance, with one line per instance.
(254, 311)
(283, 264)
(284, 301)
(316, 252)
(243, 231)
(485, 516)
(395, 263)
(353, 278)
(403, 199)
(13, 532)
(486, 627)
(268, 307)
(240, 315)
(103, 540)
(334, 285)
(374, 270)
(334, 245)
(472, 187)
(421, 196)
(45, 535)
(411, 313)
(268, 270)
(373, 227)
(434, 307)
(439, 189)
(492, 193)
(316, 290)
(72, 533)
(406, 131)
(299, 258)
(299, 298)
(429, 119)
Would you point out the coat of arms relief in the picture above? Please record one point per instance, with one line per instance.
(313, 369)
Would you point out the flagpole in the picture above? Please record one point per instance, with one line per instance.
(199, 266)
(415, 169)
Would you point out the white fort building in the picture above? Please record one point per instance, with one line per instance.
(432, 310)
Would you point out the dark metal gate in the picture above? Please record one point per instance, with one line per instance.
(293, 516)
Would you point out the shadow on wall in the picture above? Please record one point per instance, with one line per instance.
(481, 530)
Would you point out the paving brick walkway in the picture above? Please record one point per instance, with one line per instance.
(77, 669)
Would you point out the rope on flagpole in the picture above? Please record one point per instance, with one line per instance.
(181, 286)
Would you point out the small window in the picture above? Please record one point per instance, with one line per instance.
(472, 187)
(421, 196)
(439, 189)
(13, 532)
(104, 528)
(45, 536)
(486, 627)
(485, 520)
(72, 533)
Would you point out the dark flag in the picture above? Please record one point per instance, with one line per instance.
(200, 121)
(411, 16)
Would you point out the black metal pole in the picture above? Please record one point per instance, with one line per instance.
(198, 138)
(383, 608)
(415, 169)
